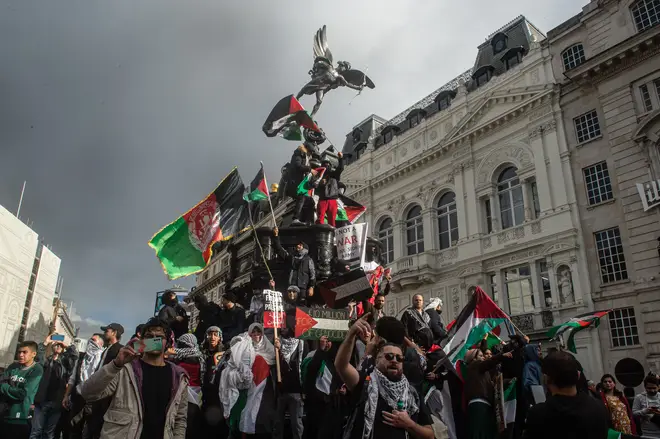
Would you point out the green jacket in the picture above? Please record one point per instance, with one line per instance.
(18, 388)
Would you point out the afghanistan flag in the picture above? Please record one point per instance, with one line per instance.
(348, 210)
(184, 246)
(254, 412)
(286, 118)
(258, 189)
(307, 185)
(479, 317)
(575, 325)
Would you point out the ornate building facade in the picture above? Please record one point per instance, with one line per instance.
(473, 185)
(607, 61)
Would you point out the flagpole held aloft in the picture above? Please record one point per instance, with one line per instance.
(261, 250)
(270, 203)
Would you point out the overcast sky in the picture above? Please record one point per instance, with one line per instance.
(122, 115)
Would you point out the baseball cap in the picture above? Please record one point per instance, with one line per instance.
(115, 327)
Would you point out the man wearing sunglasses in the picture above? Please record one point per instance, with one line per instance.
(386, 405)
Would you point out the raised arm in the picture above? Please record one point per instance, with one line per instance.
(346, 371)
(281, 252)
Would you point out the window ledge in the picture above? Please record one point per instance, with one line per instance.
(602, 203)
(614, 284)
(626, 348)
(593, 139)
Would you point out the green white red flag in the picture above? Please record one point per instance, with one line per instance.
(184, 247)
(349, 210)
(576, 324)
(286, 118)
(258, 189)
(479, 317)
(309, 183)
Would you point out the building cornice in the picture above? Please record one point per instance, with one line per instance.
(618, 58)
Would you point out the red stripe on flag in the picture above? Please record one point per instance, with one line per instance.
(486, 308)
(295, 106)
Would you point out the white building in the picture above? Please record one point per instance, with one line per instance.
(473, 186)
(18, 245)
(41, 311)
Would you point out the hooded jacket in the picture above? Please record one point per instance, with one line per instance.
(303, 271)
(567, 417)
(169, 313)
(531, 374)
(124, 418)
(328, 188)
(297, 168)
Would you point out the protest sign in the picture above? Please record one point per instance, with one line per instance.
(311, 323)
(351, 243)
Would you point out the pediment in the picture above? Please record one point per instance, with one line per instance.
(497, 109)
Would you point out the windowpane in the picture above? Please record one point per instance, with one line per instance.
(646, 97)
(447, 220)
(573, 56)
(587, 126)
(414, 231)
(623, 327)
(386, 238)
(610, 256)
(512, 207)
(489, 216)
(597, 181)
(545, 281)
(646, 14)
(519, 289)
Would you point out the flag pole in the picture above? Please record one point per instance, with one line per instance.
(261, 250)
(270, 203)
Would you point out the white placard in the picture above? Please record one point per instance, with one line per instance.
(352, 243)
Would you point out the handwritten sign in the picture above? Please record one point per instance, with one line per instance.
(351, 243)
(311, 323)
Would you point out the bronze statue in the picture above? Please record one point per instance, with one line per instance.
(325, 77)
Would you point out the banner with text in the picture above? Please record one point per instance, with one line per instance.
(352, 243)
(311, 323)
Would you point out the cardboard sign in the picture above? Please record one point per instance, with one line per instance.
(338, 291)
(351, 243)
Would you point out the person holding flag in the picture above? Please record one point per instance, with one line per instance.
(328, 191)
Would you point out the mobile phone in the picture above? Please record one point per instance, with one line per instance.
(148, 345)
(57, 337)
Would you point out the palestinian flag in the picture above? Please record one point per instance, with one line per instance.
(311, 324)
(254, 411)
(258, 189)
(348, 210)
(323, 377)
(184, 247)
(575, 325)
(510, 401)
(306, 187)
(613, 434)
(479, 317)
(286, 118)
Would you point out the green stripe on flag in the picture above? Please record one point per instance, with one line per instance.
(475, 336)
(612, 434)
(255, 195)
(178, 256)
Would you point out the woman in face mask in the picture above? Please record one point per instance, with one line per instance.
(647, 407)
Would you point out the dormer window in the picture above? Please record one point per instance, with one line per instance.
(444, 99)
(483, 75)
(443, 103)
(512, 58)
(415, 119)
(499, 43)
(357, 135)
(388, 136)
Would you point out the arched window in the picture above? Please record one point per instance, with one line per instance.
(646, 14)
(414, 231)
(447, 220)
(573, 56)
(510, 193)
(386, 238)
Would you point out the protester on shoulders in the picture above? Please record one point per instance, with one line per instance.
(18, 387)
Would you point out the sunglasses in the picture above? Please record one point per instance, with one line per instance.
(391, 357)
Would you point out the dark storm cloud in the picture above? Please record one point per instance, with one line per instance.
(121, 115)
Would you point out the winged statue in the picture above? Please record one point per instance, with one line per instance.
(326, 77)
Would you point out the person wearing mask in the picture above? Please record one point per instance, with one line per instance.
(18, 387)
(187, 355)
(48, 401)
(302, 272)
(617, 405)
(232, 317)
(567, 413)
(151, 407)
(416, 320)
(386, 405)
(94, 421)
(88, 363)
(292, 352)
(647, 407)
(213, 424)
(209, 315)
(173, 314)
(328, 191)
(531, 375)
(480, 394)
(434, 311)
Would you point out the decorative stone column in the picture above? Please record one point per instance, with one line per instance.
(501, 288)
(430, 232)
(537, 286)
(575, 278)
(527, 201)
(472, 206)
(460, 203)
(324, 235)
(495, 210)
(541, 170)
(399, 241)
(554, 288)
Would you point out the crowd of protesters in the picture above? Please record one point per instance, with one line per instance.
(231, 378)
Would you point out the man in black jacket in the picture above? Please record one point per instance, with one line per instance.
(209, 315)
(303, 271)
(48, 400)
(297, 169)
(292, 352)
(232, 318)
(174, 315)
(434, 310)
(328, 191)
(567, 414)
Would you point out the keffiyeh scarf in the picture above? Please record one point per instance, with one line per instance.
(393, 392)
(90, 362)
(289, 346)
(420, 317)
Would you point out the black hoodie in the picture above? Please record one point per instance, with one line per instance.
(567, 417)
